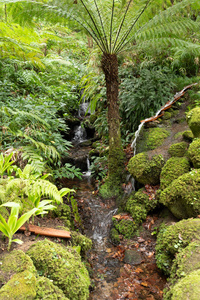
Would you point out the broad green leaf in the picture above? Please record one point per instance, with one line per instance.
(10, 204)
(3, 229)
(24, 218)
(18, 241)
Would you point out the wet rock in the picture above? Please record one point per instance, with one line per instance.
(132, 257)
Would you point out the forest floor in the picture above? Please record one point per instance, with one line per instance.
(126, 271)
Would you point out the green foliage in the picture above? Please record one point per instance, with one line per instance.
(5, 163)
(67, 171)
(99, 167)
(13, 224)
(143, 92)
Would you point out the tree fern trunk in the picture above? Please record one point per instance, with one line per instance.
(116, 155)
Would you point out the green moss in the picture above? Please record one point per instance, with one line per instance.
(45, 289)
(194, 153)
(167, 115)
(63, 211)
(15, 262)
(144, 170)
(80, 240)
(174, 167)
(172, 239)
(114, 235)
(63, 266)
(141, 197)
(125, 227)
(187, 288)
(182, 195)
(193, 119)
(21, 286)
(178, 150)
(188, 135)
(187, 260)
(154, 137)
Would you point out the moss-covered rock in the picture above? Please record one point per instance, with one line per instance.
(45, 289)
(194, 153)
(172, 239)
(193, 119)
(167, 115)
(21, 286)
(125, 227)
(187, 260)
(174, 167)
(154, 137)
(114, 235)
(63, 211)
(187, 288)
(81, 240)
(141, 197)
(63, 266)
(182, 195)
(178, 149)
(188, 135)
(144, 170)
(14, 262)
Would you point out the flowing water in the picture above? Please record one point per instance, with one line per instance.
(112, 277)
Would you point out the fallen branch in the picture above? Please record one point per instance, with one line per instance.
(46, 231)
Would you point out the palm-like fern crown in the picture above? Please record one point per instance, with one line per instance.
(114, 23)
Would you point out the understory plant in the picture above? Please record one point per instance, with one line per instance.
(9, 227)
(30, 188)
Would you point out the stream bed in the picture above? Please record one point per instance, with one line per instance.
(126, 271)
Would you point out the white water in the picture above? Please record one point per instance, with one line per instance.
(80, 135)
(137, 133)
(83, 109)
(102, 227)
(88, 172)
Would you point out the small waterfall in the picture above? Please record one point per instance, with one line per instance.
(88, 172)
(83, 108)
(80, 135)
(102, 227)
(137, 133)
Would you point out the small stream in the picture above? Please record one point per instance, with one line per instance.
(126, 271)
(113, 277)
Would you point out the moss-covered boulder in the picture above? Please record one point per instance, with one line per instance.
(187, 260)
(193, 119)
(22, 286)
(84, 242)
(172, 239)
(182, 195)
(145, 170)
(63, 266)
(188, 135)
(174, 167)
(187, 288)
(125, 227)
(194, 153)
(178, 149)
(14, 262)
(154, 137)
(45, 289)
(141, 197)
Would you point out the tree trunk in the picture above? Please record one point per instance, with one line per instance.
(116, 154)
